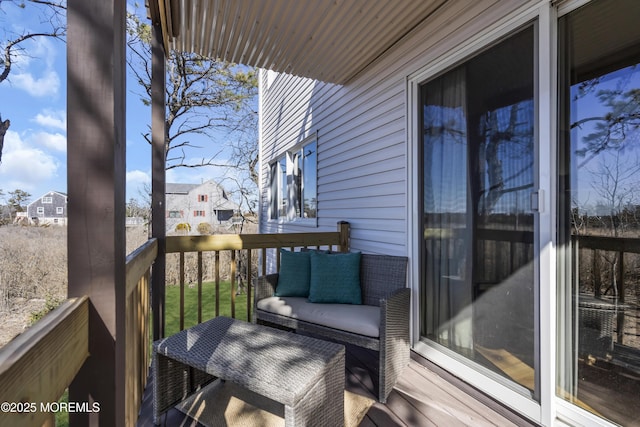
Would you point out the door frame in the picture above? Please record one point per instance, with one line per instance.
(512, 395)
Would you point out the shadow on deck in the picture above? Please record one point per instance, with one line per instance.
(422, 397)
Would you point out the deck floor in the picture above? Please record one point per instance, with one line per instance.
(421, 397)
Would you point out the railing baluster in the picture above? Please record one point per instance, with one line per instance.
(199, 287)
(181, 290)
(233, 284)
(217, 283)
(264, 262)
(249, 282)
(278, 258)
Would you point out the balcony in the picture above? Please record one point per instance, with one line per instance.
(41, 363)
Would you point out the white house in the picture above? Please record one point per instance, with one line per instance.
(474, 146)
(50, 208)
(199, 205)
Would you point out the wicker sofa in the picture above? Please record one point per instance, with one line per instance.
(381, 323)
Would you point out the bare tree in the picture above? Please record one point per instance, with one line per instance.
(205, 98)
(615, 181)
(52, 16)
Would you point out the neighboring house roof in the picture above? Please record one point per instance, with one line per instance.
(176, 188)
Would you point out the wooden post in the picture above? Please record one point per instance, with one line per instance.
(158, 179)
(597, 279)
(620, 277)
(96, 169)
(620, 293)
(344, 230)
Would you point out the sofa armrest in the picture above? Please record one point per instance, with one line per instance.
(394, 314)
(395, 342)
(266, 286)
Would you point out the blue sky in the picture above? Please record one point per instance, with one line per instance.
(33, 98)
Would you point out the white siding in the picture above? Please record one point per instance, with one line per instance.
(362, 135)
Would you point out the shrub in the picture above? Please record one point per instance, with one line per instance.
(183, 227)
(205, 228)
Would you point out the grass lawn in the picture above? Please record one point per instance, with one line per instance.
(172, 308)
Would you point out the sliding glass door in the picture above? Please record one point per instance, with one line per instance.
(477, 178)
(599, 210)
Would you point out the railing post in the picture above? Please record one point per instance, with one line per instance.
(344, 230)
(96, 176)
(158, 179)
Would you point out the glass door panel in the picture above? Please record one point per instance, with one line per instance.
(477, 165)
(599, 210)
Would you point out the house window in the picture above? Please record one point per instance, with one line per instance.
(199, 213)
(175, 214)
(304, 181)
(40, 210)
(278, 189)
(293, 183)
(59, 210)
(47, 199)
(598, 205)
(202, 197)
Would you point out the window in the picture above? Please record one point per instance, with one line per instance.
(40, 210)
(47, 199)
(293, 183)
(278, 189)
(202, 197)
(304, 181)
(598, 206)
(175, 214)
(199, 213)
(59, 210)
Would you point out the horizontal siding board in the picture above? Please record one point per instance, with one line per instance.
(392, 201)
(365, 191)
(391, 167)
(364, 154)
(365, 184)
(365, 213)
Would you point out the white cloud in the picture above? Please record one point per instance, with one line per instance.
(23, 166)
(54, 141)
(52, 119)
(136, 182)
(47, 85)
(138, 177)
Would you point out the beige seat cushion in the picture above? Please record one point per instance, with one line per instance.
(359, 319)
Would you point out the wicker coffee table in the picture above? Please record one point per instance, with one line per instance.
(305, 374)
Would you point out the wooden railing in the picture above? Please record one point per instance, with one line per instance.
(38, 365)
(137, 326)
(251, 247)
(619, 246)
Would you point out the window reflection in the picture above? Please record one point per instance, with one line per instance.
(599, 346)
(478, 296)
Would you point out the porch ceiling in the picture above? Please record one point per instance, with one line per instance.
(327, 40)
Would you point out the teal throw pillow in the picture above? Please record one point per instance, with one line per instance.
(293, 277)
(335, 278)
